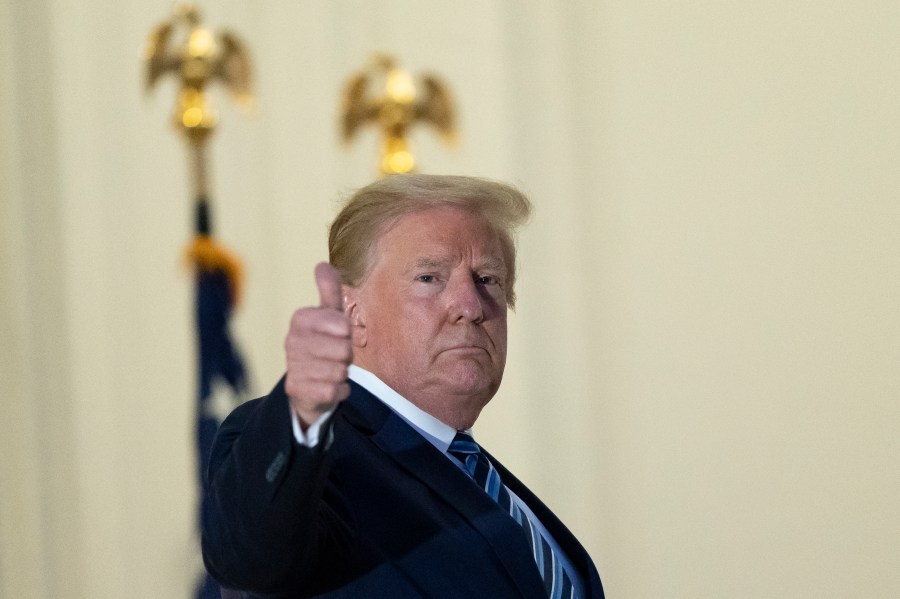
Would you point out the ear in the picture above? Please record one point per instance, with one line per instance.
(356, 314)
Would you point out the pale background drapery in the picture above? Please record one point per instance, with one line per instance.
(705, 366)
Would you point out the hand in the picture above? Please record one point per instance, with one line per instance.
(318, 350)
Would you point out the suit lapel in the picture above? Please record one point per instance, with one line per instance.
(567, 541)
(414, 454)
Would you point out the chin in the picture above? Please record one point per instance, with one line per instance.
(480, 390)
(465, 422)
(471, 399)
(472, 377)
(459, 405)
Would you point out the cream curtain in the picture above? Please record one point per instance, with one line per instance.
(703, 379)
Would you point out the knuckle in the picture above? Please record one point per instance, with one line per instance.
(342, 392)
(339, 372)
(298, 316)
(323, 395)
(346, 355)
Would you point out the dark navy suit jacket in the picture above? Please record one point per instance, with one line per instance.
(374, 511)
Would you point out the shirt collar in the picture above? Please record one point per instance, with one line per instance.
(438, 433)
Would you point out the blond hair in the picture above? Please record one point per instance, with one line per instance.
(374, 209)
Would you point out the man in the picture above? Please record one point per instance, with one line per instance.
(357, 476)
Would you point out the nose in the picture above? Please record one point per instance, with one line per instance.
(464, 300)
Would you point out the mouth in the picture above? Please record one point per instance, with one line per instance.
(466, 349)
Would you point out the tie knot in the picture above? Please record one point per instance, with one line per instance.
(463, 444)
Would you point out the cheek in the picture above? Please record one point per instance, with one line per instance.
(497, 327)
(501, 347)
(500, 341)
(401, 330)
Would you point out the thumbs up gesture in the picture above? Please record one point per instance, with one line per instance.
(318, 350)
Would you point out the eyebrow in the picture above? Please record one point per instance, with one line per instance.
(429, 262)
(425, 262)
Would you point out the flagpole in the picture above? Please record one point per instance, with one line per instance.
(203, 218)
(200, 58)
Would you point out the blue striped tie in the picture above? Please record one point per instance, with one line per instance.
(556, 580)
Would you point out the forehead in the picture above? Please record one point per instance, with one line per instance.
(438, 233)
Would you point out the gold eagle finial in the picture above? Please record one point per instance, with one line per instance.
(196, 59)
(387, 95)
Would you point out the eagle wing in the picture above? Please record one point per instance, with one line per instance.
(234, 68)
(157, 60)
(436, 106)
(356, 108)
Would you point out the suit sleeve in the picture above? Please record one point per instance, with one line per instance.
(262, 516)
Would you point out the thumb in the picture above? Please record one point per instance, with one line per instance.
(328, 280)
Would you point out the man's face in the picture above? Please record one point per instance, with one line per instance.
(430, 318)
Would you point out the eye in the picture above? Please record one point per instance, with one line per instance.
(486, 280)
(426, 278)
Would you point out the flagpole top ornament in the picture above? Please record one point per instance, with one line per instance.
(389, 97)
(197, 56)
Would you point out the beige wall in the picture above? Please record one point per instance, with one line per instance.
(704, 377)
